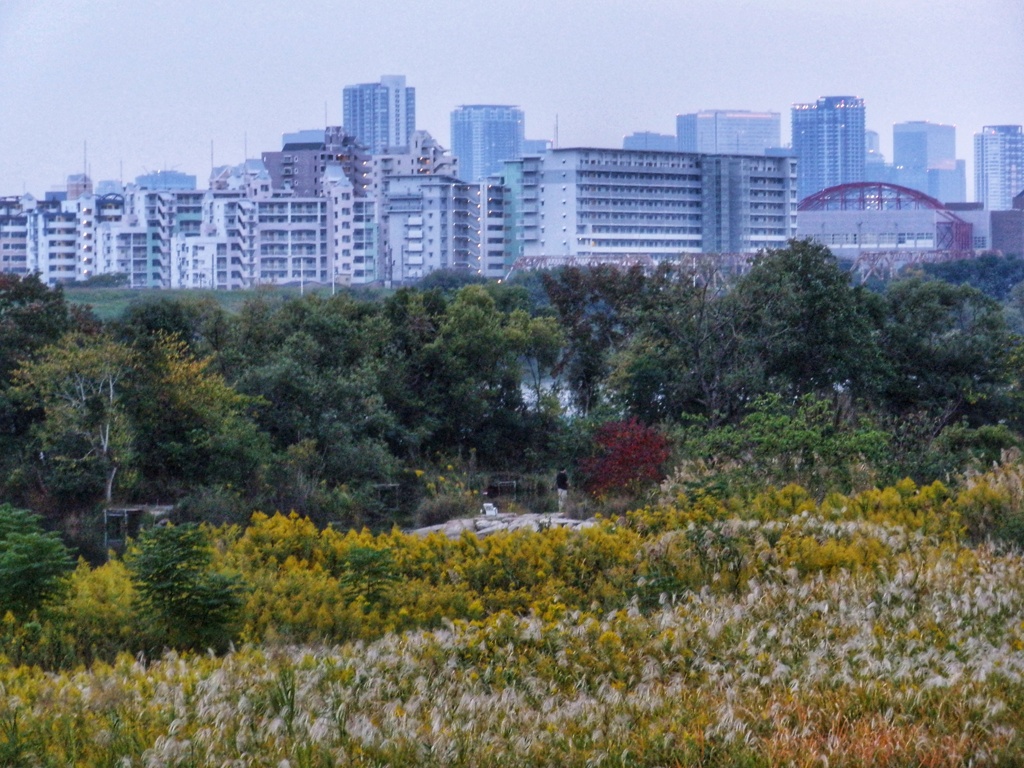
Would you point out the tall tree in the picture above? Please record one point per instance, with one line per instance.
(813, 329)
(192, 605)
(691, 350)
(77, 382)
(538, 341)
(591, 305)
(474, 365)
(31, 316)
(947, 347)
(191, 427)
(321, 372)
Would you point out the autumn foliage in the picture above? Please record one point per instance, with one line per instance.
(629, 455)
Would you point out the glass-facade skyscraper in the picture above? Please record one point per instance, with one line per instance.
(924, 158)
(828, 141)
(998, 166)
(660, 142)
(484, 136)
(728, 132)
(380, 115)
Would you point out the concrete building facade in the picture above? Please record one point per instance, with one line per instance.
(62, 240)
(429, 223)
(658, 142)
(304, 157)
(589, 202)
(493, 201)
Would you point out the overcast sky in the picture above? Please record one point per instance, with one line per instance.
(150, 85)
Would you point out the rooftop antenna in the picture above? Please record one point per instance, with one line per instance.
(245, 145)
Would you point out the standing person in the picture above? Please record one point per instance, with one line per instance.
(562, 484)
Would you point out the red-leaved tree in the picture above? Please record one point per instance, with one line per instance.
(629, 455)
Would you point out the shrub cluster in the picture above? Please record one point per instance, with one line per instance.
(283, 579)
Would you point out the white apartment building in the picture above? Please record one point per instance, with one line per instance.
(252, 235)
(353, 231)
(59, 239)
(423, 156)
(618, 203)
(223, 255)
(429, 223)
(492, 260)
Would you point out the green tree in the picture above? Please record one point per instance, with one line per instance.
(948, 352)
(813, 330)
(413, 318)
(994, 275)
(692, 349)
(191, 427)
(475, 372)
(538, 341)
(198, 320)
(77, 383)
(450, 280)
(592, 307)
(321, 369)
(31, 316)
(191, 604)
(782, 441)
(33, 563)
(325, 374)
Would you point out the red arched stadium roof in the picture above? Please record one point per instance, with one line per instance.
(869, 196)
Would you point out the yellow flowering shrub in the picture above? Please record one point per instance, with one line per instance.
(102, 609)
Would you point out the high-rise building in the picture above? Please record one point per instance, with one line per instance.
(380, 115)
(484, 136)
(306, 155)
(493, 210)
(998, 166)
(924, 158)
(659, 142)
(620, 203)
(429, 223)
(728, 131)
(828, 141)
(875, 167)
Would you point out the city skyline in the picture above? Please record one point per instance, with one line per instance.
(117, 92)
